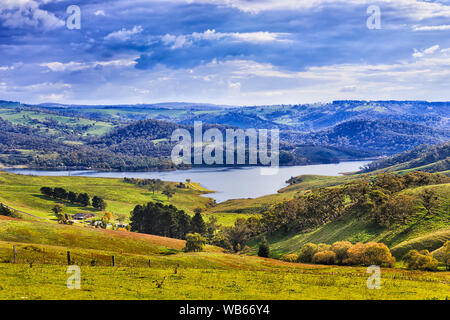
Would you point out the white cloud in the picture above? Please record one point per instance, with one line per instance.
(76, 66)
(176, 42)
(124, 34)
(180, 41)
(430, 50)
(431, 28)
(99, 13)
(416, 9)
(253, 37)
(17, 14)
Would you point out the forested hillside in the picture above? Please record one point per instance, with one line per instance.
(430, 158)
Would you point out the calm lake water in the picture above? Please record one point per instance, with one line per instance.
(229, 183)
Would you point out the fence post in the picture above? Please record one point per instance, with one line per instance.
(15, 254)
(149, 263)
(113, 261)
(68, 258)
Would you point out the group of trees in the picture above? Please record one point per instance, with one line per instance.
(166, 220)
(344, 253)
(81, 198)
(153, 185)
(376, 198)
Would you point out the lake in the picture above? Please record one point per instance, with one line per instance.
(229, 183)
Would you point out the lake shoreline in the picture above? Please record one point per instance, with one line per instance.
(227, 182)
(54, 169)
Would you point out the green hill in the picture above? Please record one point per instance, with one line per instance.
(429, 158)
(418, 233)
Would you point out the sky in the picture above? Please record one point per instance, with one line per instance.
(228, 52)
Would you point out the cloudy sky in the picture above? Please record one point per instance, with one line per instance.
(236, 52)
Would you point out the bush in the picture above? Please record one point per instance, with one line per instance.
(323, 247)
(355, 254)
(194, 242)
(324, 257)
(422, 260)
(443, 255)
(4, 211)
(377, 254)
(446, 249)
(290, 257)
(340, 248)
(371, 253)
(307, 252)
(263, 250)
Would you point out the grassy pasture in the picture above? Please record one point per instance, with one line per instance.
(23, 193)
(228, 283)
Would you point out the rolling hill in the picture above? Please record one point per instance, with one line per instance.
(429, 158)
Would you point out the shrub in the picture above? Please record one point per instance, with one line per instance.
(324, 257)
(323, 247)
(194, 242)
(377, 254)
(443, 255)
(290, 257)
(355, 254)
(263, 250)
(5, 211)
(340, 248)
(446, 249)
(422, 260)
(307, 252)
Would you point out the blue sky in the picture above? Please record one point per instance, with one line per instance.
(236, 52)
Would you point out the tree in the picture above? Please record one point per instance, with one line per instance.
(98, 203)
(198, 225)
(324, 257)
(60, 193)
(264, 250)
(46, 191)
(238, 234)
(422, 260)
(211, 227)
(72, 197)
(83, 199)
(163, 220)
(307, 252)
(158, 184)
(340, 248)
(194, 242)
(60, 216)
(57, 209)
(4, 211)
(429, 201)
(168, 192)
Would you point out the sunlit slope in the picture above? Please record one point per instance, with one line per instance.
(23, 193)
(433, 230)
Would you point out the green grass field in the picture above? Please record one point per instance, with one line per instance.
(23, 193)
(24, 117)
(40, 271)
(287, 281)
